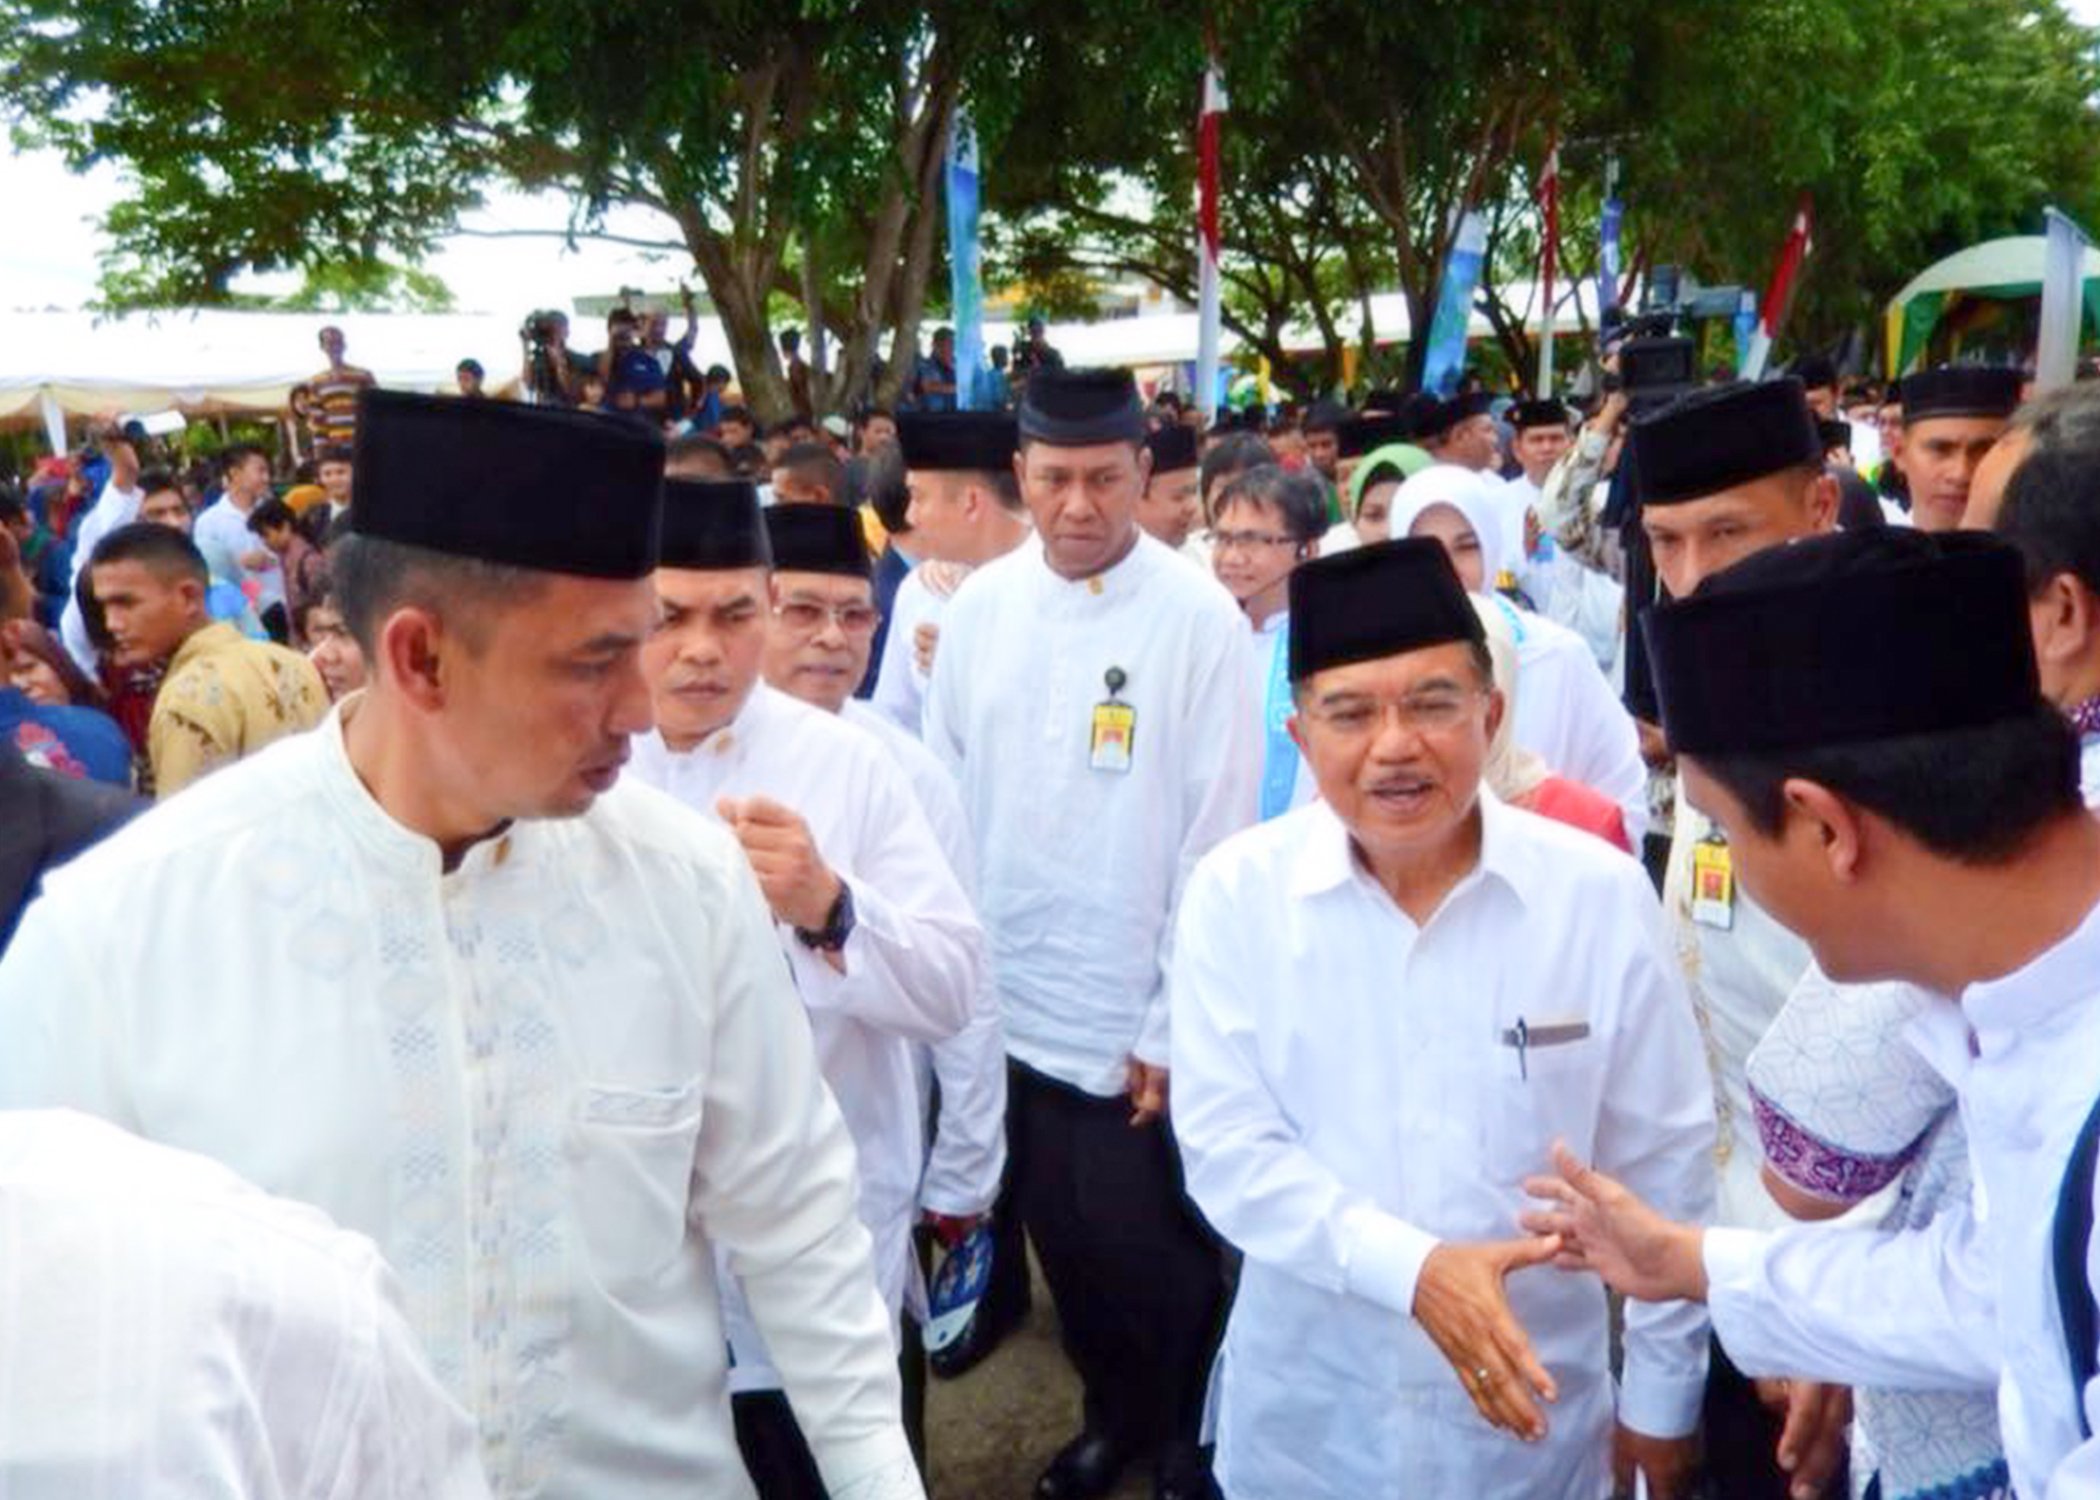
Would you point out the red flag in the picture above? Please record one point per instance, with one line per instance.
(1780, 294)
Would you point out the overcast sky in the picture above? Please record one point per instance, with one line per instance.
(49, 246)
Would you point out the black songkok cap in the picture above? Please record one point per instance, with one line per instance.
(1834, 432)
(1814, 371)
(1388, 400)
(1376, 601)
(1856, 635)
(1079, 408)
(536, 487)
(1360, 435)
(1960, 391)
(818, 539)
(1547, 413)
(713, 524)
(1172, 447)
(957, 441)
(1716, 439)
(1440, 417)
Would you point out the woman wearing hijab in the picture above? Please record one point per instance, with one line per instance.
(1568, 715)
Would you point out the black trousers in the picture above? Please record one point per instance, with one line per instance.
(776, 1454)
(1742, 1438)
(1133, 1270)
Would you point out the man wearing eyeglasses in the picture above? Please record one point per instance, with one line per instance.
(1385, 1005)
(884, 947)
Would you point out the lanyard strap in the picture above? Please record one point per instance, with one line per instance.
(2073, 1234)
(1279, 773)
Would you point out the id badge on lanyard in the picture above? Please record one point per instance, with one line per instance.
(1713, 884)
(1112, 740)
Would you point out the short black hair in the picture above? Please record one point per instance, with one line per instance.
(369, 578)
(334, 453)
(815, 461)
(737, 414)
(153, 481)
(1235, 453)
(868, 414)
(162, 550)
(469, 364)
(2052, 514)
(1299, 500)
(272, 513)
(1324, 416)
(12, 505)
(1972, 795)
(697, 456)
(750, 461)
(239, 454)
(881, 479)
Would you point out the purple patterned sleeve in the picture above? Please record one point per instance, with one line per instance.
(1818, 1168)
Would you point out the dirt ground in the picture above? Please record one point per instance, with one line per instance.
(991, 1432)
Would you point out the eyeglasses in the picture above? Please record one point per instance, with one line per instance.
(1247, 541)
(1420, 713)
(809, 616)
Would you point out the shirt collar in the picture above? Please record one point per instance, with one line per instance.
(1327, 857)
(211, 637)
(2064, 977)
(739, 730)
(1120, 580)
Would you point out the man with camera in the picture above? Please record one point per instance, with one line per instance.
(553, 372)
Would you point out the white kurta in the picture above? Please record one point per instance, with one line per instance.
(1346, 1096)
(1971, 1297)
(1739, 980)
(549, 1085)
(172, 1330)
(900, 687)
(1080, 869)
(969, 1137)
(914, 963)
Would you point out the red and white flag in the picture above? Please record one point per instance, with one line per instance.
(1549, 265)
(1208, 123)
(1779, 296)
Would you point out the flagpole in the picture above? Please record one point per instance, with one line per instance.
(2063, 303)
(1209, 119)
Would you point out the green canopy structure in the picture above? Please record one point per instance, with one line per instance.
(2006, 270)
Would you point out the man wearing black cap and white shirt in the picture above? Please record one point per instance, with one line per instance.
(965, 510)
(1724, 473)
(1562, 588)
(1173, 502)
(1951, 417)
(1911, 805)
(1091, 694)
(1387, 1006)
(881, 940)
(815, 651)
(1461, 430)
(528, 1027)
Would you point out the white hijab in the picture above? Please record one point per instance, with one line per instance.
(1511, 772)
(1465, 492)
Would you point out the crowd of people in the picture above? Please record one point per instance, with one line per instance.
(649, 919)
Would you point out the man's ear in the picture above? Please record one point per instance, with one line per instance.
(414, 653)
(1497, 707)
(1816, 813)
(2065, 617)
(1296, 725)
(1823, 503)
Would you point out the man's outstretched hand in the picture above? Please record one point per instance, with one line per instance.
(1462, 1305)
(1599, 1226)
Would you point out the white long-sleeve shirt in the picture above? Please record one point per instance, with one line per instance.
(1970, 1298)
(1347, 1094)
(548, 1084)
(114, 507)
(968, 1155)
(1081, 869)
(222, 535)
(900, 687)
(172, 1330)
(914, 963)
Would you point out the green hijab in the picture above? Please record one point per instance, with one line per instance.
(1403, 459)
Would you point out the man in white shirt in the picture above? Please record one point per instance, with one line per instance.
(1387, 1007)
(231, 551)
(1173, 503)
(1091, 695)
(883, 946)
(167, 1322)
(1911, 806)
(117, 505)
(1561, 587)
(528, 1026)
(1269, 521)
(965, 511)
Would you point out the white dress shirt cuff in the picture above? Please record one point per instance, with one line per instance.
(1382, 1257)
(1660, 1403)
(896, 1480)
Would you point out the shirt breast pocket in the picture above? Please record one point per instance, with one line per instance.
(1547, 1088)
(633, 1162)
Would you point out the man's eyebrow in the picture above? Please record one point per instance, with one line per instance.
(611, 640)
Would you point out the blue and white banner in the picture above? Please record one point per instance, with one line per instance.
(1608, 255)
(965, 265)
(1445, 361)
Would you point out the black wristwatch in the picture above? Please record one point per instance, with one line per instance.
(838, 925)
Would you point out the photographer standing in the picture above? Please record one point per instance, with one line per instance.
(553, 372)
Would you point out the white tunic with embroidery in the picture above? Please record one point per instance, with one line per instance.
(549, 1084)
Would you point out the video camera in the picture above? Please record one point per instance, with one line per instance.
(1656, 363)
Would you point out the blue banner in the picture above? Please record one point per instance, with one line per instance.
(1608, 255)
(965, 267)
(1745, 328)
(1445, 361)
